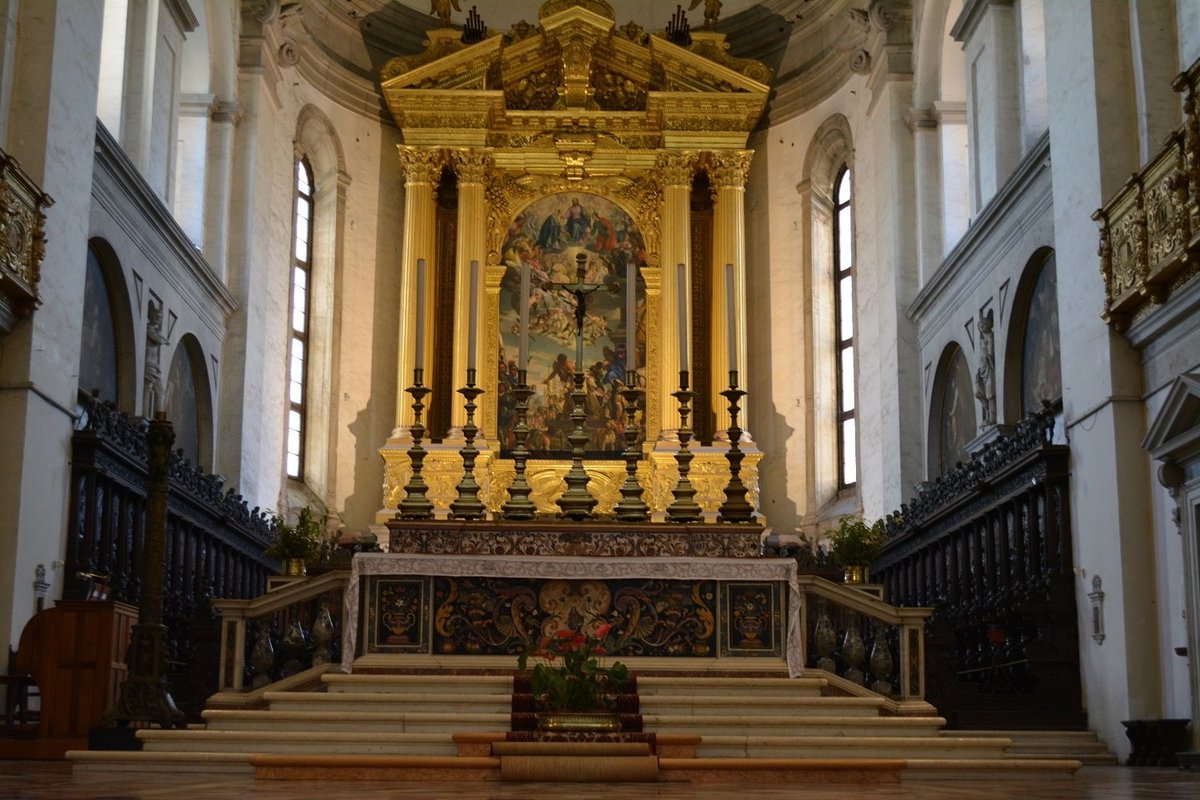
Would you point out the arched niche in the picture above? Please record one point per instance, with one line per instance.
(188, 402)
(106, 352)
(547, 235)
(1033, 353)
(952, 420)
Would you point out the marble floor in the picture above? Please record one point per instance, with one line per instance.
(28, 780)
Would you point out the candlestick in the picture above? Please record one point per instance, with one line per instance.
(519, 506)
(681, 280)
(735, 508)
(415, 504)
(419, 361)
(467, 505)
(684, 508)
(731, 317)
(523, 357)
(630, 317)
(631, 508)
(473, 319)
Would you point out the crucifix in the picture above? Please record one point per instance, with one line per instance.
(577, 503)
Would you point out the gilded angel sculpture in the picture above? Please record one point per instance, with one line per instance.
(441, 9)
(712, 11)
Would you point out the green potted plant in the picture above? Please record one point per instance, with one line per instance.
(571, 686)
(297, 544)
(854, 544)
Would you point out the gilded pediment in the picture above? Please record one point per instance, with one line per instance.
(629, 83)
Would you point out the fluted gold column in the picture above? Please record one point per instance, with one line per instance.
(727, 172)
(472, 168)
(675, 173)
(422, 168)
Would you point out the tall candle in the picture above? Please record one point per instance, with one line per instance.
(523, 355)
(681, 280)
(419, 361)
(473, 323)
(630, 317)
(731, 316)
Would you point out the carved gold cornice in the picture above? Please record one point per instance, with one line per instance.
(420, 165)
(729, 170)
(22, 241)
(598, 7)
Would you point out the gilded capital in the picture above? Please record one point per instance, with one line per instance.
(420, 166)
(676, 169)
(728, 170)
(472, 166)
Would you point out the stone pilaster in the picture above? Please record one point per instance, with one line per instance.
(224, 119)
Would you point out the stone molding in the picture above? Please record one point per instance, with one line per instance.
(972, 14)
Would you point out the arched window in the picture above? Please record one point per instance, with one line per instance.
(299, 316)
(843, 294)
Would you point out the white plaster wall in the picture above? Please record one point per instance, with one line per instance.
(159, 169)
(1032, 26)
(189, 194)
(112, 64)
(1187, 24)
(993, 102)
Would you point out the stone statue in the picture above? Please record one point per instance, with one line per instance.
(712, 11)
(985, 376)
(441, 10)
(152, 392)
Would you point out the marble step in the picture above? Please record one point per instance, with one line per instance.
(1082, 746)
(362, 721)
(711, 705)
(650, 685)
(201, 742)
(381, 684)
(943, 747)
(981, 770)
(169, 762)
(354, 702)
(762, 725)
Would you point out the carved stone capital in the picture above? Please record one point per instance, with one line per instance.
(860, 61)
(472, 166)
(729, 170)
(885, 15)
(227, 112)
(676, 169)
(420, 166)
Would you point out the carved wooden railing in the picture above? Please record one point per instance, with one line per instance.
(285, 639)
(864, 643)
(988, 546)
(1150, 231)
(22, 241)
(214, 542)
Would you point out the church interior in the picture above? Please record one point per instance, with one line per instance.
(612, 320)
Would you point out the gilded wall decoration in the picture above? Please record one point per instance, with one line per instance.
(617, 92)
(536, 91)
(547, 236)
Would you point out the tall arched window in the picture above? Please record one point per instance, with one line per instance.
(843, 294)
(298, 349)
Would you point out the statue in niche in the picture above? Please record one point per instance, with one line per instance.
(712, 11)
(441, 10)
(152, 392)
(985, 376)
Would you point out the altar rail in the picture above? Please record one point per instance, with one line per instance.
(988, 546)
(1150, 230)
(214, 543)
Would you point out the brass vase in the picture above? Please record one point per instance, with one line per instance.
(294, 567)
(855, 573)
(577, 721)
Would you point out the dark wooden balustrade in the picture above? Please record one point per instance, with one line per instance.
(215, 542)
(988, 546)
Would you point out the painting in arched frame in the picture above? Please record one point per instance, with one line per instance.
(1041, 372)
(99, 354)
(548, 235)
(958, 422)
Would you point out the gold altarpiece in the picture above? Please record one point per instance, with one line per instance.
(575, 106)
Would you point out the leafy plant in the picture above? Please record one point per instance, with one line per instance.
(302, 540)
(856, 543)
(570, 675)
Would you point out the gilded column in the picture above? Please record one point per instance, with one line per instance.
(472, 168)
(422, 168)
(675, 173)
(727, 172)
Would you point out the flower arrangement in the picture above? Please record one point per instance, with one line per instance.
(856, 543)
(571, 676)
(302, 540)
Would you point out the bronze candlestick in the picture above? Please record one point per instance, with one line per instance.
(415, 504)
(631, 508)
(577, 503)
(467, 504)
(519, 506)
(735, 508)
(684, 508)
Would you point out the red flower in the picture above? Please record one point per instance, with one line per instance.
(566, 633)
(599, 651)
(603, 628)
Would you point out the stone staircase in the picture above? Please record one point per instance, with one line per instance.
(447, 727)
(1082, 746)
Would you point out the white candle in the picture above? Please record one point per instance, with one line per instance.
(419, 361)
(731, 316)
(681, 280)
(630, 318)
(473, 323)
(523, 354)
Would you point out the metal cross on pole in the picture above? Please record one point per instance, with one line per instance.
(577, 503)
